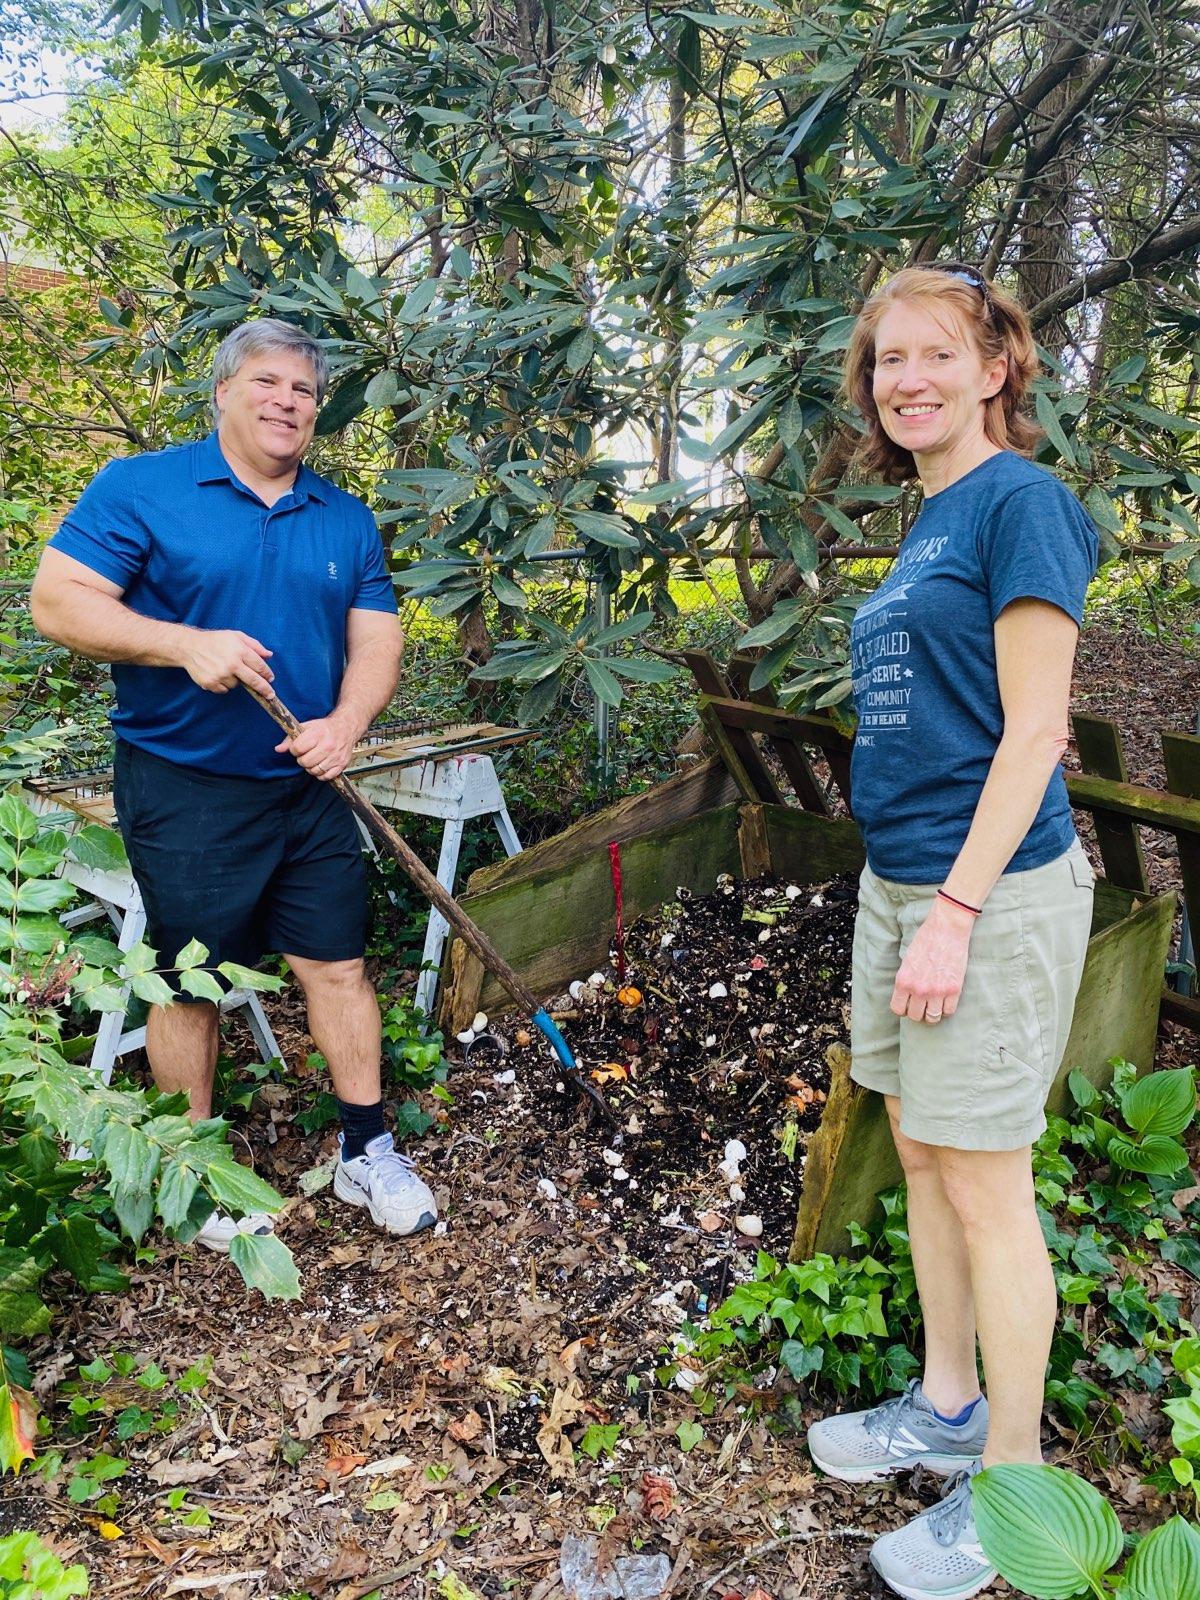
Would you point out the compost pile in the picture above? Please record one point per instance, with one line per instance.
(712, 1052)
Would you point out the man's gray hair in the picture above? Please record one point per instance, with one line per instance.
(259, 337)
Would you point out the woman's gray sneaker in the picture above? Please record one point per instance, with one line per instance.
(863, 1446)
(937, 1556)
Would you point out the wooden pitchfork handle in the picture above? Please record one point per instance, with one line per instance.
(389, 841)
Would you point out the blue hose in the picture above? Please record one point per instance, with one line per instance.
(543, 1020)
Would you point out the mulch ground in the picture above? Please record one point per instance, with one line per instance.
(407, 1426)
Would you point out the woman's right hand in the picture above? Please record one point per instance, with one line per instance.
(934, 968)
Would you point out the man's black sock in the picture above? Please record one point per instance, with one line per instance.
(360, 1124)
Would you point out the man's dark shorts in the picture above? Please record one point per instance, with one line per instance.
(245, 865)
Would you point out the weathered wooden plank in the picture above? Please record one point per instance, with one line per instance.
(723, 744)
(790, 726)
(851, 1150)
(710, 680)
(1117, 1008)
(754, 852)
(811, 848)
(1181, 761)
(556, 924)
(1152, 807)
(1116, 1015)
(1102, 755)
(1112, 904)
(1181, 1008)
(792, 758)
(702, 787)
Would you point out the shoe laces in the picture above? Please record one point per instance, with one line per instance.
(949, 1518)
(393, 1171)
(882, 1422)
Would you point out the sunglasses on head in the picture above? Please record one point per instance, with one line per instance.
(964, 273)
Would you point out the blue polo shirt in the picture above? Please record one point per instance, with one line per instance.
(188, 542)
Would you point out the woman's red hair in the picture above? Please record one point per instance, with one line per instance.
(996, 325)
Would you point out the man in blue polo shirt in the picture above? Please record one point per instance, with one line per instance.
(193, 570)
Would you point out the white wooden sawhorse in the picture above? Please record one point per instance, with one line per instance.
(114, 893)
(458, 788)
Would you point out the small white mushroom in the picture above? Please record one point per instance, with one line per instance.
(576, 989)
(508, 1076)
(547, 1189)
(817, 900)
(718, 991)
(751, 1226)
(466, 1037)
(736, 1194)
(730, 1171)
(735, 1150)
(480, 1021)
(597, 980)
(792, 892)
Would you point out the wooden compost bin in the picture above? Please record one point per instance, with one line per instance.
(550, 911)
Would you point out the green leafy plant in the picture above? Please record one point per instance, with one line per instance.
(29, 1570)
(845, 1322)
(135, 1157)
(1053, 1536)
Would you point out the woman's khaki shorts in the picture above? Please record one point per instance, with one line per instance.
(979, 1079)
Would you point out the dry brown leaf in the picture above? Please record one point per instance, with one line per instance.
(712, 1222)
(565, 1409)
(658, 1496)
(467, 1428)
(317, 1410)
(171, 1474)
(341, 1466)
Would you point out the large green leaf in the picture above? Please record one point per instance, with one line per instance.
(1165, 1565)
(1161, 1102)
(130, 1157)
(265, 1263)
(1048, 1532)
(97, 846)
(1155, 1155)
(236, 1187)
(79, 1243)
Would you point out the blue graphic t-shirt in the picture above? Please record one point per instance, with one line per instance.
(923, 659)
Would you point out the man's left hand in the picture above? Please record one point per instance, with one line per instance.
(323, 747)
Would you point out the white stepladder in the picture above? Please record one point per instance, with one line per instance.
(114, 893)
(458, 788)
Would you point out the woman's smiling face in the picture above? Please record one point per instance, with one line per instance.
(930, 382)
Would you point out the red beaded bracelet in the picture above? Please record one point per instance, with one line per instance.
(976, 911)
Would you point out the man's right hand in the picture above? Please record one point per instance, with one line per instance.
(218, 658)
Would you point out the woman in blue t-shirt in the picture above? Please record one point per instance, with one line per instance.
(975, 904)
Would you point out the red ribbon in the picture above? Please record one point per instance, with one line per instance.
(614, 861)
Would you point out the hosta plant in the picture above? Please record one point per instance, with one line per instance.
(1053, 1536)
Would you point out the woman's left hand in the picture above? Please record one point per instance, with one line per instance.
(931, 975)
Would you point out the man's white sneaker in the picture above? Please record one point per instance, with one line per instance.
(219, 1232)
(386, 1182)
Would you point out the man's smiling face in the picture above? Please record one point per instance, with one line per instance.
(268, 411)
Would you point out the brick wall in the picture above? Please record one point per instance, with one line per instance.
(20, 278)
